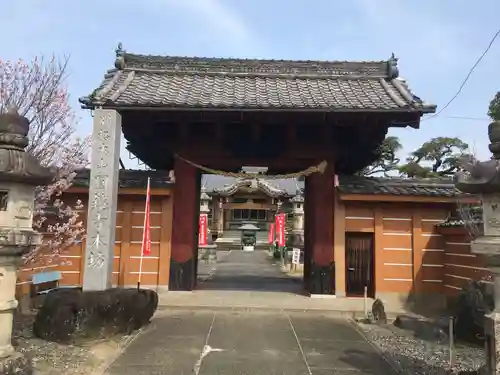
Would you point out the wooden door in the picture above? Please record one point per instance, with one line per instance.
(359, 261)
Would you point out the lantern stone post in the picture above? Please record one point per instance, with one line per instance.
(483, 178)
(20, 173)
(298, 220)
(208, 251)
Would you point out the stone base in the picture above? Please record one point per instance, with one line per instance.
(492, 345)
(322, 279)
(182, 275)
(16, 364)
(208, 254)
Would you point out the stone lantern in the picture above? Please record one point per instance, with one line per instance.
(208, 251)
(204, 201)
(20, 173)
(298, 220)
(483, 178)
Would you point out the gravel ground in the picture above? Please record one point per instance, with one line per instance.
(415, 356)
(50, 358)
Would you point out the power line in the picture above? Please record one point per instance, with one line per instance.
(463, 82)
(467, 118)
(468, 75)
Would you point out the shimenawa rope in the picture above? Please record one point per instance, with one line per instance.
(320, 168)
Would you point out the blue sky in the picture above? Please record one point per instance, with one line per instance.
(437, 42)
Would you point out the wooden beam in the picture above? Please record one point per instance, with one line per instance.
(165, 191)
(404, 198)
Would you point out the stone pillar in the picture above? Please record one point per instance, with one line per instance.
(320, 202)
(102, 203)
(20, 173)
(185, 218)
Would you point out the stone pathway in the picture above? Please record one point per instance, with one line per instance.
(240, 270)
(204, 342)
(206, 335)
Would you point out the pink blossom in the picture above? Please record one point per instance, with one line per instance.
(38, 89)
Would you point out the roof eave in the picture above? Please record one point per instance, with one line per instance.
(89, 103)
(161, 107)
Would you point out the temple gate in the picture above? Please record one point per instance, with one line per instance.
(187, 114)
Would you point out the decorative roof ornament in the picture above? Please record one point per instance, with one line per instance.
(392, 67)
(15, 163)
(251, 183)
(482, 177)
(120, 57)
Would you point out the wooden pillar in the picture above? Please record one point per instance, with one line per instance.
(165, 243)
(308, 235)
(379, 249)
(125, 238)
(339, 250)
(185, 214)
(416, 250)
(320, 202)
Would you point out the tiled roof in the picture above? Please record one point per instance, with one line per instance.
(192, 82)
(347, 184)
(129, 178)
(396, 186)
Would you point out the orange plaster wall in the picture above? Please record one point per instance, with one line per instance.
(128, 236)
(409, 252)
(460, 265)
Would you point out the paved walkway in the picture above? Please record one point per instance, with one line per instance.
(212, 341)
(256, 271)
(205, 342)
(242, 280)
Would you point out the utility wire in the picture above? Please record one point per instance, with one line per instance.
(463, 82)
(467, 118)
(468, 76)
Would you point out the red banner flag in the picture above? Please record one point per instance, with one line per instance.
(270, 234)
(146, 234)
(202, 229)
(280, 229)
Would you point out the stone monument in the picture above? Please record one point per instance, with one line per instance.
(20, 173)
(484, 178)
(103, 200)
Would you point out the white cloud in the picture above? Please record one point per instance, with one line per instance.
(425, 31)
(218, 16)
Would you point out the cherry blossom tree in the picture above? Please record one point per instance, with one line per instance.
(38, 90)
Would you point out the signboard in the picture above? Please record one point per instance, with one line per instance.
(296, 256)
(280, 229)
(202, 229)
(270, 234)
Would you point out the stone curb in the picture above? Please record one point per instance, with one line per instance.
(393, 364)
(347, 314)
(104, 367)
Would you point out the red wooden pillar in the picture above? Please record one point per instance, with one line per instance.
(184, 245)
(320, 192)
(308, 234)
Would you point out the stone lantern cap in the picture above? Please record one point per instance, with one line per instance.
(16, 165)
(204, 196)
(482, 177)
(297, 198)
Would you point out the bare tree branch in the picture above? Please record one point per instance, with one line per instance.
(38, 90)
